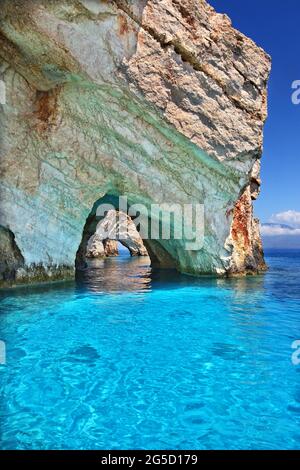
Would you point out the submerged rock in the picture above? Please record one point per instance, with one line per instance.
(160, 101)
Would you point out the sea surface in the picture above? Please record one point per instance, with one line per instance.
(130, 358)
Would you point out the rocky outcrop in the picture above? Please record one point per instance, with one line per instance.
(95, 247)
(115, 226)
(161, 101)
(99, 248)
(111, 248)
(11, 259)
(247, 250)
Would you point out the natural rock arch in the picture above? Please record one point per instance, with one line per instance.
(94, 241)
(114, 227)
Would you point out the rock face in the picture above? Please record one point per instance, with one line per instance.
(99, 248)
(95, 247)
(10, 256)
(111, 247)
(162, 101)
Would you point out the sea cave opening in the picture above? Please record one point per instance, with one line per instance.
(110, 231)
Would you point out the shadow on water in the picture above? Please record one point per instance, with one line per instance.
(116, 274)
(135, 274)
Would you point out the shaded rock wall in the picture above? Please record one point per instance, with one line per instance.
(11, 259)
(161, 101)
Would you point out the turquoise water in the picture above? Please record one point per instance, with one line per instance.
(126, 358)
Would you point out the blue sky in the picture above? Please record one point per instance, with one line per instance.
(274, 25)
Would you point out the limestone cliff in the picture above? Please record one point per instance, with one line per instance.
(158, 100)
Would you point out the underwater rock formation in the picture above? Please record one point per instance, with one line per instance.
(160, 101)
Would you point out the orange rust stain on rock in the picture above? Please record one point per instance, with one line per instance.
(141, 39)
(46, 109)
(123, 25)
(241, 217)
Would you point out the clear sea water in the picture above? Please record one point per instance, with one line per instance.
(126, 358)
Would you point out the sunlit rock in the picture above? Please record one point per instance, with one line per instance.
(160, 101)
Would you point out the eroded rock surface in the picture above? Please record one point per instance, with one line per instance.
(11, 259)
(161, 101)
(95, 247)
(111, 247)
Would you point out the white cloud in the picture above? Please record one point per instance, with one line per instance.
(288, 217)
(276, 230)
